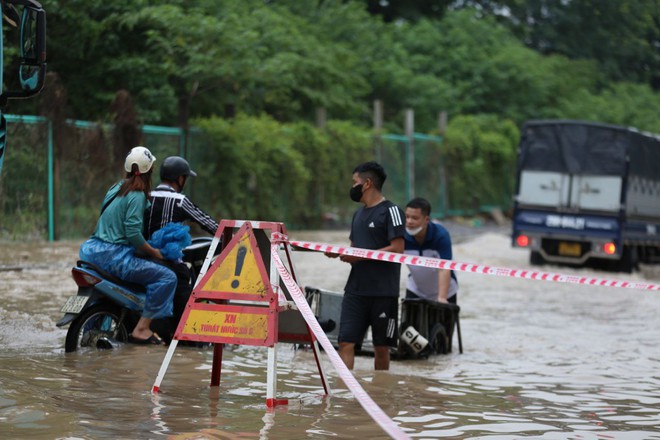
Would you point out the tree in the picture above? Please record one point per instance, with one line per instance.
(410, 10)
(622, 36)
(481, 152)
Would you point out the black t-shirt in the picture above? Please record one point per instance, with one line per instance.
(374, 228)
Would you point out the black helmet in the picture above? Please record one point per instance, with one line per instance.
(175, 166)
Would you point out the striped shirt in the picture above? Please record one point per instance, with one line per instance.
(169, 206)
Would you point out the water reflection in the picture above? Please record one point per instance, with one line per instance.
(541, 360)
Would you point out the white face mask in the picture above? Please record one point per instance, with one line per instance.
(415, 231)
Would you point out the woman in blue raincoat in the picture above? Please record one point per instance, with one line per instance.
(118, 234)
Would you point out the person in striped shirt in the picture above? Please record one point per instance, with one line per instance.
(169, 205)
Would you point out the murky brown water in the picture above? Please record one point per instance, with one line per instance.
(542, 360)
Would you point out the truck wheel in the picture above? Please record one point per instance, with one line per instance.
(438, 339)
(628, 261)
(535, 258)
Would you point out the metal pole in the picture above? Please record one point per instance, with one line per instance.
(442, 128)
(51, 193)
(442, 122)
(378, 128)
(410, 157)
(216, 367)
(321, 117)
(182, 143)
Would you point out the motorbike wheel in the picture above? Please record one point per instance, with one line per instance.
(99, 321)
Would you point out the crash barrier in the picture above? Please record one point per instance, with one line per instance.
(237, 301)
(438, 263)
(427, 327)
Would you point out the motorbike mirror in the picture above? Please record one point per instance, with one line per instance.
(33, 35)
(31, 79)
(32, 49)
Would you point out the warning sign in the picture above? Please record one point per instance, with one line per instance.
(242, 299)
(218, 310)
(238, 273)
(228, 324)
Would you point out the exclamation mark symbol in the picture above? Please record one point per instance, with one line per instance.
(240, 258)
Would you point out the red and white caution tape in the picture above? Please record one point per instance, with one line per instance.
(353, 385)
(472, 268)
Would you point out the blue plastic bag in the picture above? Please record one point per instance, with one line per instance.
(171, 240)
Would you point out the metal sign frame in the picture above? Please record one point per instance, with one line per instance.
(237, 301)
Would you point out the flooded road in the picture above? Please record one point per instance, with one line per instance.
(541, 360)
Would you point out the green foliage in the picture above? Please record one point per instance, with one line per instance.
(201, 58)
(23, 198)
(251, 74)
(625, 104)
(621, 36)
(259, 169)
(480, 161)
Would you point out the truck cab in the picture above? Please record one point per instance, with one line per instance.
(579, 194)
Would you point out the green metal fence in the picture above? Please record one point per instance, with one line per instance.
(44, 192)
(56, 193)
(426, 164)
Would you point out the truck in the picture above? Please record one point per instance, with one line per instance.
(30, 19)
(587, 193)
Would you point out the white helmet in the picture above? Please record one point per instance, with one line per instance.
(140, 156)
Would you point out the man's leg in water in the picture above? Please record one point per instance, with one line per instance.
(167, 327)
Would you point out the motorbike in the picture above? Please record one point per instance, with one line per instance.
(106, 309)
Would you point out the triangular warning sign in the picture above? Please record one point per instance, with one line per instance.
(213, 315)
(234, 301)
(238, 272)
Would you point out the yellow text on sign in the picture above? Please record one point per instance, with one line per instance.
(227, 324)
(238, 272)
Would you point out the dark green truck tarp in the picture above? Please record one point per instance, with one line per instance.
(579, 147)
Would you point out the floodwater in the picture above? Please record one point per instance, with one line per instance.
(541, 360)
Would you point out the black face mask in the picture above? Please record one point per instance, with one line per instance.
(356, 193)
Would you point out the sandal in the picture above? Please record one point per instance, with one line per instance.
(151, 340)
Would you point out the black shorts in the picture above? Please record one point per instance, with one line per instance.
(360, 312)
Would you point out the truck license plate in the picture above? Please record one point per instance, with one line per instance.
(570, 249)
(74, 304)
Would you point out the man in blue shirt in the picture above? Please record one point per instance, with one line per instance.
(428, 239)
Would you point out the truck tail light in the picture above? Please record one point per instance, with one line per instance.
(609, 248)
(522, 240)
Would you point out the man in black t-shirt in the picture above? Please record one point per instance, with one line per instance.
(371, 295)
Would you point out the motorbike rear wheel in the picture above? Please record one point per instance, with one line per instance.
(99, 321)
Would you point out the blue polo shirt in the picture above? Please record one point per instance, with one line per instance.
(423, 281)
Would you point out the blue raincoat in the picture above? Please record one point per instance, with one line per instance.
(119, 260)
(112, 247)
